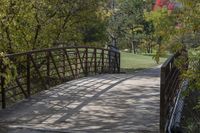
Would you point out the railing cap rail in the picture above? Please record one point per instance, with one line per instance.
(164, 65)
(55, 48)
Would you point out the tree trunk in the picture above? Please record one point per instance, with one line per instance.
(149, 50)
(114, 42)
(134, 47)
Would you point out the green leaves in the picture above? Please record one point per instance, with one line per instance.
(8, 70)
(33, 24)
(125, 25)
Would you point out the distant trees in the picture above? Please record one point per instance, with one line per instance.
(148, 39)
(32, 24)
(177, 29)
(125, 22)
(129, 28)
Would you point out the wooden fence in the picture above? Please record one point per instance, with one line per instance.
(38, 70)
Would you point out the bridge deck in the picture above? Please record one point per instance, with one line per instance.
(103, 103)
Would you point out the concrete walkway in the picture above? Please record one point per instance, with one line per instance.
(118, 103)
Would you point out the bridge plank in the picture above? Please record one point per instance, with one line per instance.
(104, 103)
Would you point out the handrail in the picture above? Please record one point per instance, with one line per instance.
(169, 87)
(169, 59)
(38, 70)
(56, 48)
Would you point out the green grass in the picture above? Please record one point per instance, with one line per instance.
(132, 62)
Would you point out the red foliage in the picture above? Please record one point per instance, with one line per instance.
(164, 3)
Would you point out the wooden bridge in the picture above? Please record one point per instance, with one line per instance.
(80, 89)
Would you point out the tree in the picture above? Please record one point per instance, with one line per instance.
(148, 38)
(164, 24)
(126, 22)
(32, 24)
(180, 30)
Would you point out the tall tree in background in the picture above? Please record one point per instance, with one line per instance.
(148, 37)
(125, 24)
(164, 24)
(28, 25)
(31, 24)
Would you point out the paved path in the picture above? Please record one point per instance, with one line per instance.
(118, 103)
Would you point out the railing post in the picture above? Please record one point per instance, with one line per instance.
(48, 68)
(119, 62)
(115, 61)
(95, 60)
(102, 62)
(64, 64)
(86, 62)
(162, 100)
(3, 93)
(28, 75)
(76, 64)
(109, 60)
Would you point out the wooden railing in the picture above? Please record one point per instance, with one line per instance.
(170, 86)
(38, 70)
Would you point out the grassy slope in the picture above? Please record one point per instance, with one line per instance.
(131, 62)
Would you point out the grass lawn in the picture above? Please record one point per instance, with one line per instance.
(131, 62)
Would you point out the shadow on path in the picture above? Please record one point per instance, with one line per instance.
(104, 103)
